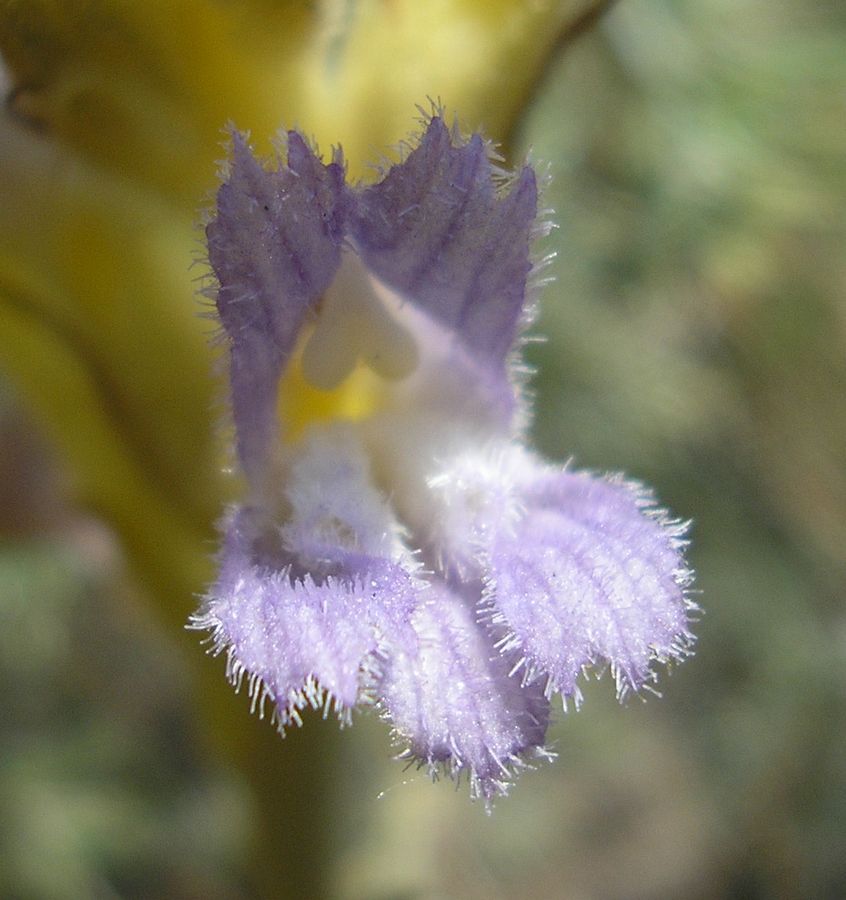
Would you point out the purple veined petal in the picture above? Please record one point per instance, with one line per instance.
(451, 701)
(591, 574)
(301, 642)
(438, 231)
(274, 245)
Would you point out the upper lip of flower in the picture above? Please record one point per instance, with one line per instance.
(422, 559)
(444, 229)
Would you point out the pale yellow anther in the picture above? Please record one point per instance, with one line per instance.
(357, 323)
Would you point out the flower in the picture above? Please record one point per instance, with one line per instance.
(412, 553)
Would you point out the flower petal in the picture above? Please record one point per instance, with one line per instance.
(450, 698)
(437, 231)
(591, 573)
(300, 642)
(275, 245)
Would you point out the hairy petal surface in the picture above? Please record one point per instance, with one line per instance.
(591, 574)
(438, 231)
(301, 641)
(452, 702)
(274, 245)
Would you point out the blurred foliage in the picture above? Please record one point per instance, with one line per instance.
(104, 791)
(696, 338)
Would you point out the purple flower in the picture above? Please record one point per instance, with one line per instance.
(412, 554)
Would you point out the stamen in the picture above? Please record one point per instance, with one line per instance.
(356, 323)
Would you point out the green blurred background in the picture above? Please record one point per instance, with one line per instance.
(695, 338)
